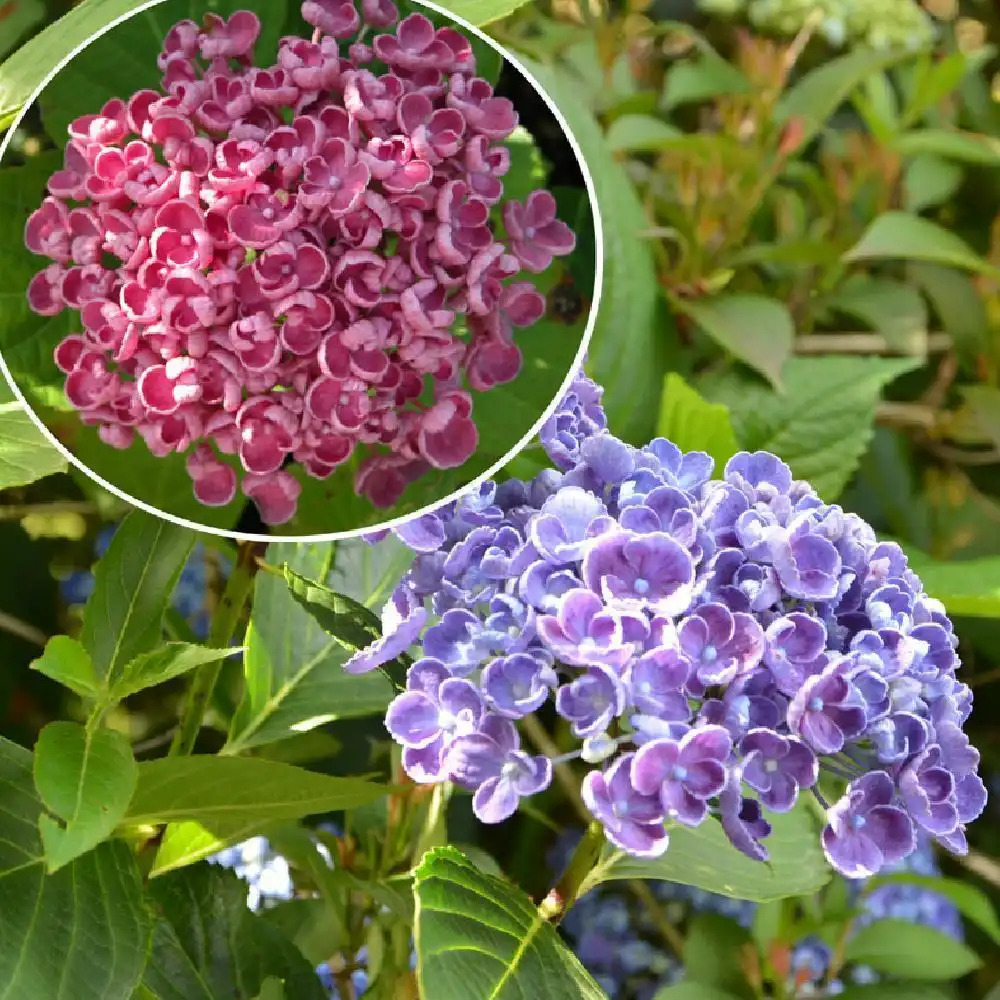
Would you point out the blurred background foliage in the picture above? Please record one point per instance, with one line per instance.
(801, 211)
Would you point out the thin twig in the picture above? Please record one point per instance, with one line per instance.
(906, 415)
(19, 511)
(22, 629)
(563, 773)
(863, 343)
(223, 628)
(960, 456)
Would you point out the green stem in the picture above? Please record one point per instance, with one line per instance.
(566, 891)
(224, 623)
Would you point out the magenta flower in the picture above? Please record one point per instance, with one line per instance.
(535, 232)
(296, 263)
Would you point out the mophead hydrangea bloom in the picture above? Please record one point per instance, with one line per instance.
(715, 645)
(291, 263)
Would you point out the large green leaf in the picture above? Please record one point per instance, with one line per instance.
(27, 67)
(901, 948)
(965, 587)
(821, 424)
(86, 778)
(481, 11)
(628, 351)
(65, 661)
(25, 455)
(161, 664)
(959, 307)
(703, 857)
(208, 946)
(692, 991)
(80, 934)
(967, 147)
(133, 584)
(694, 424)
(815, 97)
(903, 236)
(895, 309)
(479, 936)
(293, 668)
(16, 18)
(183, 844)
(753, 328)
(232, 790)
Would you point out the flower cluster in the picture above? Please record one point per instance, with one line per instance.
(295, 263)
(880, 24)
(714, 644)
(620, 945)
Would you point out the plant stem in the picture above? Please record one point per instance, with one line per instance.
(224, 622)
(564, 894)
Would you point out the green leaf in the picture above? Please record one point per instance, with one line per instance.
(183, 844)
(482, 11)
(17, 18)
(691, 991)
(823, 422)
(753, 328)
(349, 622)
(966, 147)
(479, 936)
(713, 953)
(238, 789)
(65, 661)
(936, 79)
(527, 167)
(271, 989)
(133, 583)
(27, 67)
(86, 778)
(80, 934)
(702, 78)
(630, 368)
(901, 948)
(639, 133)
(814, 98)
(959, 307)
(703, 857)
(896, 310)
(208, 946)
(901, 236)
(25, 454)
(694, 424)
(965, 587)
(313, 925)
(984, 401)
(971, 902)
(293, 668)
(929, 181)
(897, 991)
(162, 664)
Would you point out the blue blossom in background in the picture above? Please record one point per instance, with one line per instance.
(721, 641)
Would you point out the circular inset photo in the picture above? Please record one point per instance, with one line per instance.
(300, 273)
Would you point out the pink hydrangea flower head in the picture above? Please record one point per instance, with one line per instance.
(307, 264)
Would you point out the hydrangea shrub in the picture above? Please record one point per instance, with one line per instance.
(295, 263)
(718, 646)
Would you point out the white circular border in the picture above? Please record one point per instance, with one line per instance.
(469, 487)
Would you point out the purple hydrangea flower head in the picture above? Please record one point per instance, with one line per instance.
(866, 829)
(776, 767)
(271, 263)
(491, 762)
(632, 821)
(713, 645)
(686, 773)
